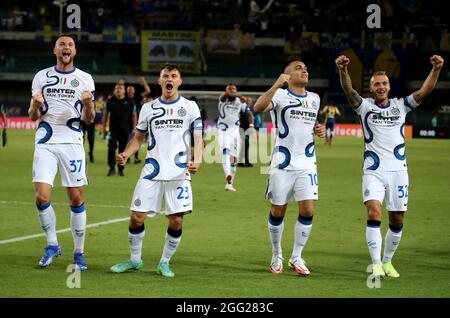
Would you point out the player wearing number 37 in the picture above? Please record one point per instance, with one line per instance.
(385, 172)
(62, 97)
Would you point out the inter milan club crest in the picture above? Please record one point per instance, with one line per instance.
(366, 193)
(395, 111)
(137, 202)
(314, 105)
(74, 83)
(182, 112)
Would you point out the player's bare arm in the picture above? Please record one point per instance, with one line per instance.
(194, 166)
(35, 106)
(346, 83)
(144, 84)
(88, 109)
(263, 103)
(223, 97)
(319, 130)
(133, 145)
(430, 82)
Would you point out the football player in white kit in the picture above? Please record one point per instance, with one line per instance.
(293, 171)
(62, 97)
(169, 121)
(230, 108)
(385, 171)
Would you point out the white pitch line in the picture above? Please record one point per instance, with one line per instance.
(23, 238)
(61, 203)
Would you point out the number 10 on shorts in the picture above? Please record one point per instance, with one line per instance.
(313, 179)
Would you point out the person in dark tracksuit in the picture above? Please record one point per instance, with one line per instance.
(120, 109)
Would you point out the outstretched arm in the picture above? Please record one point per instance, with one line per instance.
(263, 102)
(346, 83)
(430, 82)
(133, 145)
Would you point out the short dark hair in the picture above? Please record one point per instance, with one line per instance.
(69, 35)
(289, 60)
(170, 67)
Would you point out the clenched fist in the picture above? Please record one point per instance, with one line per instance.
(86, 97)
(283, 78)
(437, 61)
(342, 62)
(38, 98)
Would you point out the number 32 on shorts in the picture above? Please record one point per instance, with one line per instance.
(403, 191)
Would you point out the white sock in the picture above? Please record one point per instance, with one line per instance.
(302, 230)
(391, 242)
(275, 233)
(170, 246)
(47, 218)
(78, 227)
(373, 237)
(233, 167)
(135, 240)
(226, 163)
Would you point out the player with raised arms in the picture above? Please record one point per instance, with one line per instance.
(385, 174)
(62, 97)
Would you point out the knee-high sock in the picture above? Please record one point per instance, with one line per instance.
(226, 162)
(173, 239)
(135, 238)
(373, 237)
(276, 226)
(391, 242)
(78, 227)
(302, 230)
(47, 218)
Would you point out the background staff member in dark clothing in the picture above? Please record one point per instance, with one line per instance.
(120, 110)
(246, 122)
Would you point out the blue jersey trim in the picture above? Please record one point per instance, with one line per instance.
(62, 72)
(397, 152)
(155, 165)
(141, 130)
(184, 153)
(366, 126)
(308, 151)
(287, 155)
(384, 106)
(48, 134)
(374, 156)
(169, 103)
(296, 95)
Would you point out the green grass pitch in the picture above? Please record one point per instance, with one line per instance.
(225, 250)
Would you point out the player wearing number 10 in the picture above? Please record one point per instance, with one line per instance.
(293, 171)
(62, 97)
(385, 171)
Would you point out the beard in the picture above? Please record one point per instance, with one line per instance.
(231, 98)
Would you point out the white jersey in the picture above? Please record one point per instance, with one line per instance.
(383, 128)
(294, 117)
(169, 125)
(229, 112)
(61, 112)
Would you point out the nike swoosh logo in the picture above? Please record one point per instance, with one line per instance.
(78, 180)
(315, 193)
(185, 205)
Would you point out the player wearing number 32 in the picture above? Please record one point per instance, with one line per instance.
(62, 97)
(385, 172)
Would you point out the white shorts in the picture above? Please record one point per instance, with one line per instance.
(148, 196)
(230, 142)
(287, 184)
(69, 159)
(392, 185)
